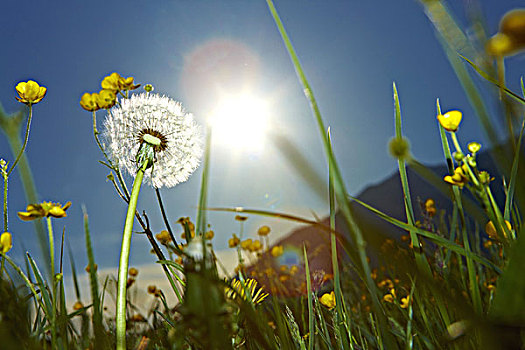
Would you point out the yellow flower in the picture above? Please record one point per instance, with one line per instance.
(127, 83)
(293, 270)
(255, 246)
(263, 231)
(459, 178)
(163, 237)
(450, 121)
(209, 234)
(106, 99)
(257, 293)
(246, 244)
(46, 209)
(6, 242)
(430, 207)
(328, 300)
(133, 272)
(405, 302)
(234, 241)
(278, 250)
(111, 82)
(511, 37)
(389, 298)
(78, 305)
(491, 230)
(30, 92)
(89, 102)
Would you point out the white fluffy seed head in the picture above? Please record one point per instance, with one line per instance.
(156, 115)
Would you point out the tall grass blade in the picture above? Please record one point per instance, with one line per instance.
(203, 199)
(339, 318)
(311, 316)
(98, 328)
(513, 176)
(339, 184)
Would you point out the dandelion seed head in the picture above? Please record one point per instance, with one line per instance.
(163, 124)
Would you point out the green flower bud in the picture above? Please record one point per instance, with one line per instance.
(148, 88)
(458, 156)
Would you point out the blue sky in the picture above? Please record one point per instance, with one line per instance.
(194, 51)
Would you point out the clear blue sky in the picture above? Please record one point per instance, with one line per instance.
(351, 52)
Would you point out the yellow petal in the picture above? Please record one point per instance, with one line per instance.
(6, 242)
(27, 216)
(57, 212)
(89, 102)
(450, 121)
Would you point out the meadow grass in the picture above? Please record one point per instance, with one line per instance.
(452, 280)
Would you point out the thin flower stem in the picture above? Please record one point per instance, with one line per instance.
(165, 218)
(117, 171)
(124, 259)
(51, 245)
(25, 141)
(5, 202)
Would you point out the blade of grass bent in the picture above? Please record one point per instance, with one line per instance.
(340, 187)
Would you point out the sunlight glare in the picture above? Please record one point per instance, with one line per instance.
(241, 122)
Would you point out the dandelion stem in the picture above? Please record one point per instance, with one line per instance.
(165, 218)
(124, 258)
(25, 141)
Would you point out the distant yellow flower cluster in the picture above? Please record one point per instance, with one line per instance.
(44, 210)
(511, 36)
(107, 97)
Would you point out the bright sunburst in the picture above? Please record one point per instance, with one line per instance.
(241, 122)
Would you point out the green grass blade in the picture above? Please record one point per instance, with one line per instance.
(339, 184)
(48, 304)
(339, 315)
(98, 328)
(513, 176)
(509, 300)
(311, 318)
(203, 199)
(487, 77)
(421, 260)
(431, 236)
(74, 273)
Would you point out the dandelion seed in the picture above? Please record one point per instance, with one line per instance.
(162, 123)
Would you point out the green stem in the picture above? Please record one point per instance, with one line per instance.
(25, 141)
(5, 202)
(124, 259)
(51, 245)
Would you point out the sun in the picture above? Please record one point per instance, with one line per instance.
(240, 122)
